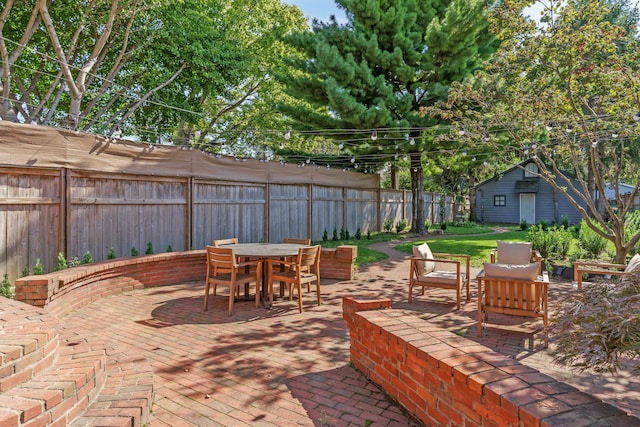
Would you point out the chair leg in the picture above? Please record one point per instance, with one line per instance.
(257, 294)
(232, 292)
(270, 291)
(317, 290)
(299, 286)
(410, 290)
(479, 322)
(206, 294)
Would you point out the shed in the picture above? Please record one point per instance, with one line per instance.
(519, 194)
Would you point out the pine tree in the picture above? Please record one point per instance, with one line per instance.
(375, 73)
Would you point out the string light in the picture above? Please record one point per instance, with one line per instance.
(374, 135)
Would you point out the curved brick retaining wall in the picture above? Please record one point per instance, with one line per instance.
(444, 380)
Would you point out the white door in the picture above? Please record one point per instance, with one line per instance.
(528, 207)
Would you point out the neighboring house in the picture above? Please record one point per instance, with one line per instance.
(518, 194)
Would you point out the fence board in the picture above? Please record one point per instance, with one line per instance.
(327, 211)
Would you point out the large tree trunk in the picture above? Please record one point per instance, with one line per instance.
(417, 190)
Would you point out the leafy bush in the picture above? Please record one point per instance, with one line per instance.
(401, 225)
(87, 258)
(632, 227)
(597, 325)
(358, 234)
(541, 240)
(554, 241)
(134, 251)
(524, 225)
(62, 262)
(73, 261)
(591, 242)
(112, 253)
(388, 224)
(335, 235)
(544, 223)
(25, 272)
(38, 269)
(564, 222)
(325, 236)
(149, 250)
(428, 224)
(6, 290)
(169, 248)
(368, 234)
(443, 226)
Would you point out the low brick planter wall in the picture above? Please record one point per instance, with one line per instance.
(443, 379)
(63, 291)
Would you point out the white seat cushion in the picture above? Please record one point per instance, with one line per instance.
(423, 251)
(514, 252)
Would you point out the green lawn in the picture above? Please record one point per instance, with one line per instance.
(478, 246)
(476, 241)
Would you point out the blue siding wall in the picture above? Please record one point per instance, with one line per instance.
(510, 213)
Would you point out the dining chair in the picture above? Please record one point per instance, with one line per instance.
(222, 242)
(305, 269)
(223, 268)
(296, 241)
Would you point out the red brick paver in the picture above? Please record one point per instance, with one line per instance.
(281, 368)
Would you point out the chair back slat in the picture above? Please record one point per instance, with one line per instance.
(297, 241)
(223, 242)
(221, 259)
(309, 257)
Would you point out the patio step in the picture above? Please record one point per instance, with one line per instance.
(44, 382)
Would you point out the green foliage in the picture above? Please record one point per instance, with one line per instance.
(38, 269)
(564, 222)
(25, 272)
(632, 227)
(149, 250)
(598, 325)
(73, 261)
(112, 253)
(335, 235)
(325, 235)
(387, 225)
(544, 223)
(368, 234)
(552, 241)
(524, 225)
(590, 242)
(6, 290)
(358, 234)
(169, 249)
(61, 263)
(87, 258)
(401, 225)
(134, 251)
(443, 225)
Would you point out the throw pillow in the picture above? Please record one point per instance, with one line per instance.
(514, 252)
(512, 271)
(424, 251)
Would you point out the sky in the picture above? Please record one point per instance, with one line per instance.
(320, 9)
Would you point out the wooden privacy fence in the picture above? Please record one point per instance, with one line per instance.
(114, 207)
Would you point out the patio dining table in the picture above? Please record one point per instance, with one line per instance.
(264, 251)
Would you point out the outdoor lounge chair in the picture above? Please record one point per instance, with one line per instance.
(438, 270)
(515, 253)
(606, 269)
(516, 290)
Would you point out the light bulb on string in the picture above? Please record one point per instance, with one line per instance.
(404, 157)
(461, 131)
(287, 135)
(594, 144)
(341, 146)
(308, 161)
(549, 127)
(356, 166)
(464, 153)
(353, 160)
(412, 141)
(614, 134)
(487, 137)
(473, 158)
(636, 116)
(281, 145)
(569, 129)
(374, 135)
(534, 146)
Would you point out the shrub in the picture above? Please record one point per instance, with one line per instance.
(596, 326)
(62, 262)
(325, 236)
(342, 234)
(388, 224)
(544, 223)
(87, 258)
(38, 269)
(443, 226)
(6, 290)
(169, 249)
(335, 235)
(73, 261)
(112, 253)
(591, 242)
(401, 225)
(358, 234)
(428, 224)
(134, 251)
(25, 272)
(368, 234)
(564, 222)
(524, 225)
(149, 250)
(632, 227)
(541, 240)
(561, 241)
